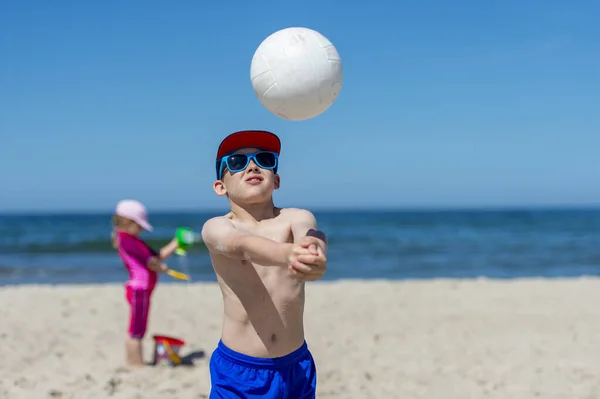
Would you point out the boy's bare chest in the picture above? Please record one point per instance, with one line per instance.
(278, 232)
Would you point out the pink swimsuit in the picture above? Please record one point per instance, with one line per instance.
(135, 255)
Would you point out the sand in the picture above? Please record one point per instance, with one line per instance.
(415, 339)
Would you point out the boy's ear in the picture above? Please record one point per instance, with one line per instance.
(219, 188)
(277, 181)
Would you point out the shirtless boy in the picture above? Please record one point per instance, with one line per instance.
(262, 255)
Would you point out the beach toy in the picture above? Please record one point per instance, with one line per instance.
(166, 350)
(296, 73)
(185, 237)
(178, 275)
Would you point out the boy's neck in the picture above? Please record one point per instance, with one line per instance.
(254, 212)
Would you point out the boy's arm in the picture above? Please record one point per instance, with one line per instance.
(310, 261)
(304, 224)
(220, 236)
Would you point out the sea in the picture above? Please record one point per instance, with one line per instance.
(378, 244)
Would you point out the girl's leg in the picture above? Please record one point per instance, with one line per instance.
(134, 354)
(139, 301)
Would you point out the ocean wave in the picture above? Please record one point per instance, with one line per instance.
(83, 247)
(103, 246)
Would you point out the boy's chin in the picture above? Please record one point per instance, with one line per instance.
(252, 198)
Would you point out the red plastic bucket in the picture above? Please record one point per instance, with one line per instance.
(166, 350)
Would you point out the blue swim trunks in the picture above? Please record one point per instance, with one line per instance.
(235, 375)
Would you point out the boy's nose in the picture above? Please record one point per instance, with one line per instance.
(252, 165)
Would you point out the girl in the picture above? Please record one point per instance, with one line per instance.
(143, 265)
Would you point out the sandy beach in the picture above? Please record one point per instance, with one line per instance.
(377, 339)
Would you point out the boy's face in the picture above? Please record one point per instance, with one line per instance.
(251, 185)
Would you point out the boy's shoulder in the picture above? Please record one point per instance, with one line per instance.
(216, 228)
(217, 221)
(219, 225)
(296, 213)
(298, 217)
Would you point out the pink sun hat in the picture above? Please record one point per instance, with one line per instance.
(134, 210)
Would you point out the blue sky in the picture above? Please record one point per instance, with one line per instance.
(461, 103)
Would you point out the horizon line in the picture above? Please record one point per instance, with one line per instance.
(329, 209)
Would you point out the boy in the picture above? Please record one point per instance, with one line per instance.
(262, 255)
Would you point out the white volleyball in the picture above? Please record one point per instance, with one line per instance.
(296, 73)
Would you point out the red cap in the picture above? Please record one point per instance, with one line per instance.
(261, 139)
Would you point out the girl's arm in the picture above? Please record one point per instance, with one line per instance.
(143, 254)
(168, 249)
(155, 264)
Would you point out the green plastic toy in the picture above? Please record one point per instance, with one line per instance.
(185, 237)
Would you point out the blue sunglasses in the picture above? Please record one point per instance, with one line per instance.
(238, 162)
